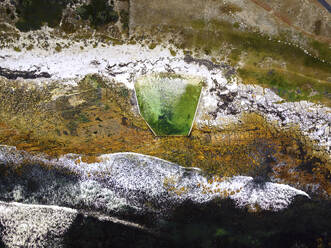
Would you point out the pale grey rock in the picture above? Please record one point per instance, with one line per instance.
(36, 226)
(128, 183)
(50, 226)
(312, 119)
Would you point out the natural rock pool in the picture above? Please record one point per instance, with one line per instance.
(168, 102)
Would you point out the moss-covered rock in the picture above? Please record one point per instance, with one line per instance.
(98, 117)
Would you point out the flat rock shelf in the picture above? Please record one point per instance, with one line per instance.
(168, 102)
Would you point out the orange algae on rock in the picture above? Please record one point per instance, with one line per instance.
(99, 117)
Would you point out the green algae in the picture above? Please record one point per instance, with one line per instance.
(304, 77)
(168, 102)
(323, 50)
(290, 86)
(213, 34)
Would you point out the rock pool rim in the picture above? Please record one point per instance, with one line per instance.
(169, 75)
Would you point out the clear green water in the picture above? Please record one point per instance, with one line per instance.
(168, 102)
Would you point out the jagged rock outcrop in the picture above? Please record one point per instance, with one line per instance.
(233, 99)
(126, 184)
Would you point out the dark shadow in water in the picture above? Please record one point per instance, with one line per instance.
(219, 224)
(90, 232)
(304, 224)
(33, 13)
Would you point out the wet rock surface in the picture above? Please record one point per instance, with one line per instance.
(23, 74)
(97, 115)
(222, 98)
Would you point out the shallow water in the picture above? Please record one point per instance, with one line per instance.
(168, 103)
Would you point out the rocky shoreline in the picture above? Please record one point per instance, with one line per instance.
(32, 225)
(128, 182)
(224, 98)
(145, 196)
(80, 166)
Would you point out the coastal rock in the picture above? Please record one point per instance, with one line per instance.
(69, 114)
(43, 226)
(24, 225)
(128, 183)
(223, 98)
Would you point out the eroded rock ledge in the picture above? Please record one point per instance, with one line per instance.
(127, 183)
(97, 114)
(30, 225)
(135, 188)
(223, 99)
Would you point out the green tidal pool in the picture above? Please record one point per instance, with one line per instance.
(168, 102)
